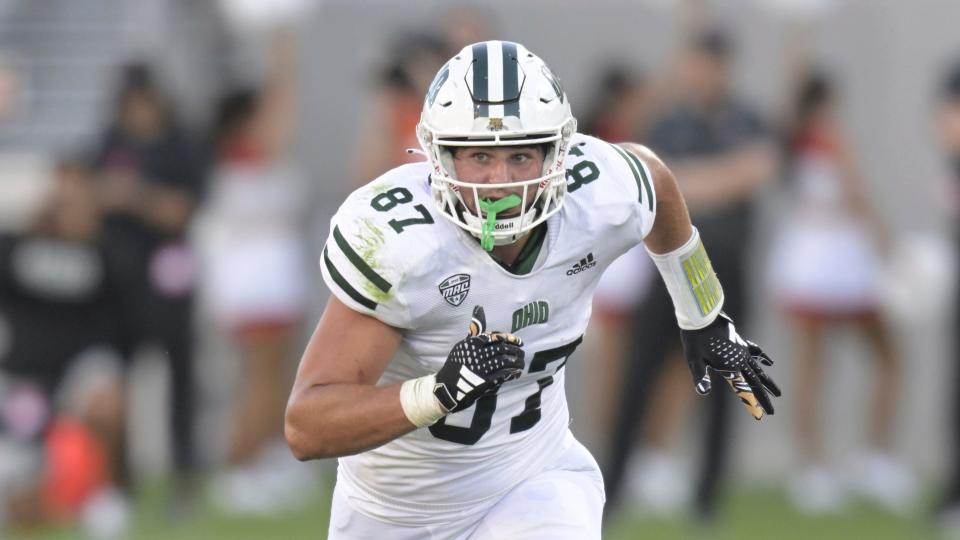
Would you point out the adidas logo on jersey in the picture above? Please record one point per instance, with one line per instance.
(586, 263)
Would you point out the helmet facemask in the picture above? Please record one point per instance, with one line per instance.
(528, 203)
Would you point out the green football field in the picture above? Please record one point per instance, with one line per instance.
(748, 514)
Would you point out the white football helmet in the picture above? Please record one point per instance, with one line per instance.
(496, 93)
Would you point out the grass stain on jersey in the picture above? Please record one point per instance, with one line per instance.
(379, 189)
(370, 240)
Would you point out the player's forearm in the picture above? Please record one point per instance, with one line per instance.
(341, 419)
(712, 181)
(676, 249)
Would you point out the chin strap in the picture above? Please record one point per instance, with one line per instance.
(491, 209)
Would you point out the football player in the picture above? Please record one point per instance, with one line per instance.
(462, 285)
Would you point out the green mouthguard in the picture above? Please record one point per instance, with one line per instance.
(491, 209)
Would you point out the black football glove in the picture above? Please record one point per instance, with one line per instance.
(478, 365)
(718, 347)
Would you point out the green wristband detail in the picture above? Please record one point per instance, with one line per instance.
(702, 279)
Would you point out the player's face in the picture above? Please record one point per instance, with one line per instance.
(491, 166)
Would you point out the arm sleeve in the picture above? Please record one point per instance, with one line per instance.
(361, 268)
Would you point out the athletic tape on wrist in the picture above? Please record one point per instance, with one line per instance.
(419, 403)
(691, 282)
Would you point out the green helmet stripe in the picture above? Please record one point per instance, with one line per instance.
(511, 84)
(481, 95)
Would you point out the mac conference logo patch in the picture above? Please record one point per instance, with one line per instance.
(455, 288)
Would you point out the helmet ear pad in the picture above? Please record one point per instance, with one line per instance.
(448, 156)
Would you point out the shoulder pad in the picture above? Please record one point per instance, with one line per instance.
(373, 242)
(623, 182)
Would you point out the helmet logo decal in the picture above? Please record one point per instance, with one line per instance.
(554, 81)
(496, 124)
(455, 288)
(438, 83)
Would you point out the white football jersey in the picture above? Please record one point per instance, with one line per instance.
(392, 256)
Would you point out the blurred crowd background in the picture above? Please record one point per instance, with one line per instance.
(168, 169)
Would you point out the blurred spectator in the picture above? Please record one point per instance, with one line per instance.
(949, 131)
(148, 183)
(622, 106)
(255, 269)
(391, 119)
(25, 170)
(11, 89)
(620, 111)
(61, 401)
(57, 260)
(464, 24)
(825, 270)
(722, 158)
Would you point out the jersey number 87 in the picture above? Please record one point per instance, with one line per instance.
(387, 200)
(486, 405)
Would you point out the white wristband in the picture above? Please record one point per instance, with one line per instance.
(691, 282)
(419, 404)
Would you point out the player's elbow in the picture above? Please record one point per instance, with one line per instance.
(304, 443)
(297, 443)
